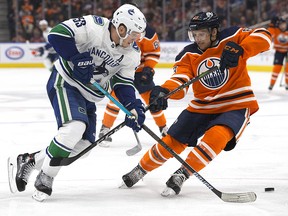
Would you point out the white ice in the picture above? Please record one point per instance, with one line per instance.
(90, 186)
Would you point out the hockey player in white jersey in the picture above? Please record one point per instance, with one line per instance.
(52, 55)
(91, 49)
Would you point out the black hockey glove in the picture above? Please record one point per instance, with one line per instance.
(40, 51)
(136, 121)
(157, 94)
(147, 75)
(83, 69)
(230, 55)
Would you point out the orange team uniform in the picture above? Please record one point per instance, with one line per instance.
(150, 55)
(280, 40)
(214, 94)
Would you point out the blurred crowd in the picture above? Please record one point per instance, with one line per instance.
(168, 17)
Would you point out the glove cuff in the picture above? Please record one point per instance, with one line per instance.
(134, 113)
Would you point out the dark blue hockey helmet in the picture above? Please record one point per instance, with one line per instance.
(204, 20)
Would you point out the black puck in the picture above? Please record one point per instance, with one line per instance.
(268, 189)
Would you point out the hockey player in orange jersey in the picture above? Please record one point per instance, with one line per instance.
(279, 31)
(150, 54)
(222, 104)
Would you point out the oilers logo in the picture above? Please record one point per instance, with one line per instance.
(215, 79)
(282, 38)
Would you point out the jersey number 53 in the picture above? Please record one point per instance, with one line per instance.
(79, 21)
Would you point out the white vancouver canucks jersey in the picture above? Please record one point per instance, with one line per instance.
(91, 33)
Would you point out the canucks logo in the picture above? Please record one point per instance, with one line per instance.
(98, 20)
(215, 79)
(131, 11)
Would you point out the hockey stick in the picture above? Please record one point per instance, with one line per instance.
(284, 74)
(264, 23)
(66, 161)
(281, 80)
(69, 160)
(226, 197)
(189, 82)
(136, 148)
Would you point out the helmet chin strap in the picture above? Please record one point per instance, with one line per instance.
(121, 39)
(211, 41)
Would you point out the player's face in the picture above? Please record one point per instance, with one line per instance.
(131, 38)
(283, 26)
(43, 27)
(202, 38)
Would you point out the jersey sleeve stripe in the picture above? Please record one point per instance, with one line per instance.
(123, 79)
(151, 53)
(181, 77)
(246, 88)
(261, 30)
(176, 81)
(225, 98)
(264, 37)
(213, 106)
(68, 29)
(63, 30)
(56, 33)
(151, 58)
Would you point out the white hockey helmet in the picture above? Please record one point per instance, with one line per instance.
(131, 17)
(43, 22)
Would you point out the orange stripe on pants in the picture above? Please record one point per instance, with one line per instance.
(275, 73)
(213, 142)
(158, 155)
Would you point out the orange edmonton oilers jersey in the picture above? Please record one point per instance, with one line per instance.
(150, 49)
(219, 92)
(280, 39)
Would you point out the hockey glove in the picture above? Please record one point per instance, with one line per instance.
(83, 68)
(157, 100)
(230, 55)
(40, 51)
(147, 75)
(137, 119)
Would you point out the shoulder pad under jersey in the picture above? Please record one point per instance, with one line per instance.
(228, 32)
(191, 48)
(149, 32)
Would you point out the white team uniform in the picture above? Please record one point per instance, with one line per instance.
(93, 35)
(75, 109)
(45, 36)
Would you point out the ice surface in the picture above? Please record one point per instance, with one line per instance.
(90, 186)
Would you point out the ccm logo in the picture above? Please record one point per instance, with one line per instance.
(231, 49)
(14, 53)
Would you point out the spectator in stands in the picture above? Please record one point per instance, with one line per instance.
(37, 36)
(19, 36)
(53, 11)
(11, 20)
(27, 22)
(221, 9)
(166, 26)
